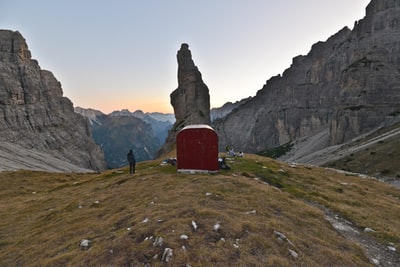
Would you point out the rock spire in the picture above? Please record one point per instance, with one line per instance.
(191, 100)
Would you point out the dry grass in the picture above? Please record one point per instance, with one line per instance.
(44, 216)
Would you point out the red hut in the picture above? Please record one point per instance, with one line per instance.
(197, 149)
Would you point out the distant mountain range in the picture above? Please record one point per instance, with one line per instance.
(122, 130)
(145, 133)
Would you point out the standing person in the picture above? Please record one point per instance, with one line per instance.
(132, 162)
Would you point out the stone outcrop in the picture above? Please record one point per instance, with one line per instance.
(191, 100)
(33, 112)
(344, 87)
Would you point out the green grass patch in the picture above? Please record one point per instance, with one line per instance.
(277, 152)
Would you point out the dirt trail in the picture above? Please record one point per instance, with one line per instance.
(382, 255)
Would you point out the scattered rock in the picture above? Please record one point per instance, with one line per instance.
(167, 255)
(391, 248)
(85, 244)
(158, 241)
(217, 226)
(293, 253)
(184, 237)
(251, 212)
(282, 237)
(145, 220)
(194, 224)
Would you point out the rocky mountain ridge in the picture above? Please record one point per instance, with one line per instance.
(146, 116)
(225, 109)
(344, 87)
(34, 114)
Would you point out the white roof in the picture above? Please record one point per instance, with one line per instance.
(197, 126)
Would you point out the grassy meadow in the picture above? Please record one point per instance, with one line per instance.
(259, 213)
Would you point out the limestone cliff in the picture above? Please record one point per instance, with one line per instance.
(191, 100)
(33, 112)
(344, 87)
(216, 113)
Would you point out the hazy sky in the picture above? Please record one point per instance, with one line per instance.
(115, 54)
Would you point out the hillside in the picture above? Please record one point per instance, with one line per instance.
(376, 154)
(260, 213)
(14, 157)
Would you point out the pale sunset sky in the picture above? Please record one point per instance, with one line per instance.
(121, 54)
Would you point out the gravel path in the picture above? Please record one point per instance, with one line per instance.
(383, 255)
